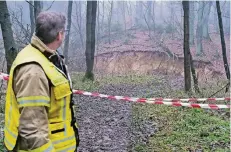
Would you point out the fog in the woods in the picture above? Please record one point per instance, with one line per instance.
(141, 37)
(159, 18)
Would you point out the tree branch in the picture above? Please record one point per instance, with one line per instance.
(30, 3)
(50, 6)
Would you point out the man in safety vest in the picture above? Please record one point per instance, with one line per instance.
(38, 115)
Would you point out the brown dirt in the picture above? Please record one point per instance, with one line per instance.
(148, 62)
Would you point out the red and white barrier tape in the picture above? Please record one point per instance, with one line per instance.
(172, 102)
(4, 76)
(165, 101)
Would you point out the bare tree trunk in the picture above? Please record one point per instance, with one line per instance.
(153, 16)
(149, 30)
(67, 36)
(137, 14)
(172, 18)
(80, 23)
(90, 38)
(7, 34)
(226, 65)
(102, 22)
(109, 22)
(78, 6)
(215, 21)
(32, 21)
(117, 9)
(191, 27)
(149, 14)
(124, 16)
(199, 31)
(181, 20)
(187, 73)
(195, 79)
(98, 25)
(38, 6)
(207, 9)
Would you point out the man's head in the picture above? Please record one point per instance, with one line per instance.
(50, 28)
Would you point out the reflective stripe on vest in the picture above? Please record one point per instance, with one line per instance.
(48, 147)
(33, 101)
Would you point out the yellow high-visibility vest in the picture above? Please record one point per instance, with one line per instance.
(62, 129)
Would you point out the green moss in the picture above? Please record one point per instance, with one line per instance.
(89, 85)
(182, 128)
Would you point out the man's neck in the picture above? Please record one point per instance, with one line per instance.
(51, 46)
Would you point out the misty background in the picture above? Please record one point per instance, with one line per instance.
(162, 17)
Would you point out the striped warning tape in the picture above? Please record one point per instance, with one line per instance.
(4, 76)
(172, 102)
(164, 101)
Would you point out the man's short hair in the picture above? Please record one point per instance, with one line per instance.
(48, 25)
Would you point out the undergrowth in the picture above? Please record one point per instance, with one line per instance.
(185, 129)
(100, 81)
(182, 129)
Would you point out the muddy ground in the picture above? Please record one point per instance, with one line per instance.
(107, 125)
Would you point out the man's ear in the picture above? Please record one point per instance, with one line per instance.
(59, 36)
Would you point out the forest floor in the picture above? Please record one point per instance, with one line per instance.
(119, 126)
